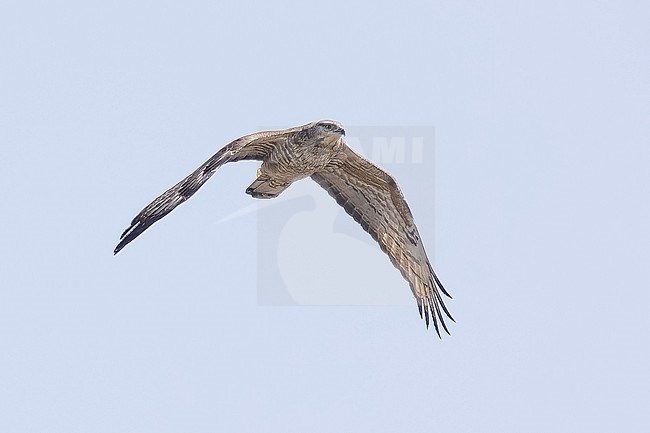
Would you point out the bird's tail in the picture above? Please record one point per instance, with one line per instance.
(264, 187)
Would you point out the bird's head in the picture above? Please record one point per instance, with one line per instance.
(328, 128)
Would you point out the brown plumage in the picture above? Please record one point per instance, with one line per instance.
(366, 192)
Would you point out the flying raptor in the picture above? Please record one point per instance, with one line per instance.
(366, 192)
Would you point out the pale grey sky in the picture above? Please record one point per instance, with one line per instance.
(541, 213)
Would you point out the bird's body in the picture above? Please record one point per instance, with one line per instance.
(293, 159)
(366, 192)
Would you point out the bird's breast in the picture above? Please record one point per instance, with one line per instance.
(301, 160)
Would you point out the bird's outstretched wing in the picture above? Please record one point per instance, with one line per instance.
(254, 146)
(373, 198)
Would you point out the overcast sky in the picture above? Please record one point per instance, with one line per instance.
(530, 190)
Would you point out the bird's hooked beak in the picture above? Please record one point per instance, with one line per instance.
(340, 131)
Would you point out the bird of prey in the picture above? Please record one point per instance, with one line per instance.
(366, 192)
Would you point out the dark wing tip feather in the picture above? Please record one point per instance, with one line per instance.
(441, 317)
(135, 229)
(435, 314)
(438, 282)
(443, 306)
(435, 324)
(434, 306)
